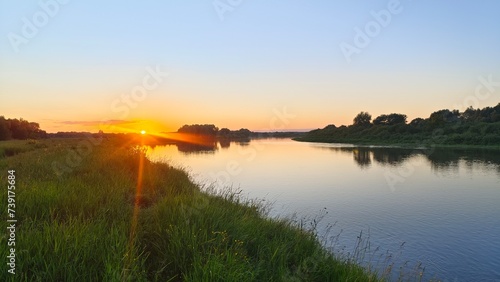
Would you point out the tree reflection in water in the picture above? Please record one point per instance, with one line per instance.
(441, 160)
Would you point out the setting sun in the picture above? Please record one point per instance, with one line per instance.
(143, 132)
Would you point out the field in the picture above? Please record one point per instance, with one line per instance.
(98, 210)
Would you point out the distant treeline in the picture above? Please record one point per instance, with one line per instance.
(225, 133)
(81, 134)
(277, 134)
(444, 127)
(199, 129)
(212, 130)
(20, 129)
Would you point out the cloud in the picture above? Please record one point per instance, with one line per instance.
(98, 123)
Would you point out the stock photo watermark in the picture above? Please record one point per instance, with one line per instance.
(363, 36)
(31, 26)
(279, 121)
(485, 89)
(222, 7)
(11, 221)
(139, 93)
(122, 106)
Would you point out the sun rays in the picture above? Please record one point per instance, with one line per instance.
(135, 215)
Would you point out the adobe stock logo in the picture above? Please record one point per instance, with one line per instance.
(363, 37)
(222, 7)
(39, 19)
(139, 93)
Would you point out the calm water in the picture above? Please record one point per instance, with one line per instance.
(443, 206)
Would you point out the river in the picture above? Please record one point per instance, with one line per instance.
(440, 208)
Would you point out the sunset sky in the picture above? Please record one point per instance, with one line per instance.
(262, 65)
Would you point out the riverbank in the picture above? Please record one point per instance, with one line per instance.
(97, 210)
(473, 128)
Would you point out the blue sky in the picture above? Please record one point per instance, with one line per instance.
(235, 72)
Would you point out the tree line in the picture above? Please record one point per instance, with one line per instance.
(20, 129)
(213, 131)
(470, 127)
(225, 133)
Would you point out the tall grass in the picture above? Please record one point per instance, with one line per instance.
(106, 221)
(14, 147)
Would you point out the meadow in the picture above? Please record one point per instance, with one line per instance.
(112, 215)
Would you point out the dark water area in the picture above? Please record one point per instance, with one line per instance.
(437, 207)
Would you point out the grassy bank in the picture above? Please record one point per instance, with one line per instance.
(473, 128)
(105, 213)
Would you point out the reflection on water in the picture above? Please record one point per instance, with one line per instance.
(439, 159)
(191, 148)
(224, 144)
(364, 156)
(204, 145)
(444, 207)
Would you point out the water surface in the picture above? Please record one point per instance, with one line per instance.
(438, 207)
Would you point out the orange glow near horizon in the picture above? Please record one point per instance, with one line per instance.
(158, 126)
(114, 126)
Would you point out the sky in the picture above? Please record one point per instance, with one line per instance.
(261, 65)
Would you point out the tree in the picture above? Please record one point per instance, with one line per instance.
(4, 129)
(442, 117)
(391, 119)
(224, 132)
(19, 129)
(417, 121)
(199, 129)
(397, 119)
(470, 114)
(362, 119)
(330, 127)
(243, 133)
(495, 116)
(380, 120)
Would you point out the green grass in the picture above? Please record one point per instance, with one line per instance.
(14, 147)
(90, 224)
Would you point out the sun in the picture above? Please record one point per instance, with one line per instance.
(143, 132)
